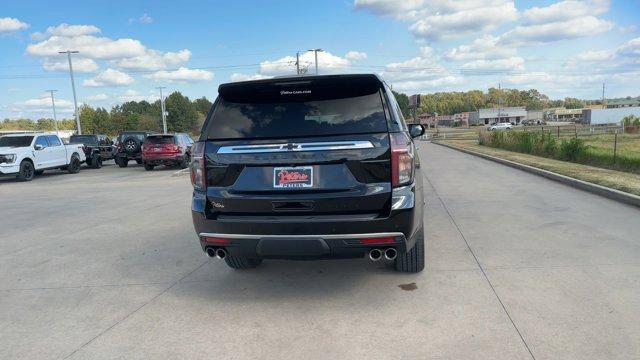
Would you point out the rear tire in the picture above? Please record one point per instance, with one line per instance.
(122, 162)
(26, 171)
(148, 167)
(139, 162)
(95, 162)
(185, 162)
(241, 262)
(74, 165)
(412, 261)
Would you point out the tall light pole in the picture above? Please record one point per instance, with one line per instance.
(315, 51)
(73, 87)
(164, 119)
(53, 104)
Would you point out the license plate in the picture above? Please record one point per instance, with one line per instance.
(293, 177)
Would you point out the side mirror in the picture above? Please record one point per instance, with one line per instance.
(112, 143)
(38, 147)
(416, 130)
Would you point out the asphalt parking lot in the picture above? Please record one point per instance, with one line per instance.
(105, 264)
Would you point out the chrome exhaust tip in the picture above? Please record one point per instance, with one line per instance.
(375, 254)
(221, 253)
(211, 252)
(390, 254)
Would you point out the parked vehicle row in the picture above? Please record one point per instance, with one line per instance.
(29, 154)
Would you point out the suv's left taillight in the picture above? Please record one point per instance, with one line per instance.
(401, 159)
(198, 167)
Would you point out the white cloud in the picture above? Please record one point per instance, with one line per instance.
(487, 16)
(600, 55)
(507, 64)
(145, 19)
(544, 33)
(109, 77)
(89, 46)
(246, 77)
(563, 10)
(44, 102)
(124, 53)
(8, 24)
(97, 97)
(355, 55)
(66, 30)
(389, 7)
(81, 65)
(419, 74)
(327, 63)
(485, 47)
(132, 95)
(442, 19)
(181, 75)
(155, 60)
(630, 49)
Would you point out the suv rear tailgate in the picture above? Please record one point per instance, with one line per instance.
(344, 180)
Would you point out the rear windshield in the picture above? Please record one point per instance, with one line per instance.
(354, 115)
(83, 139)
(168, 139)
(139, 136)
(15, 141)
(296, 107)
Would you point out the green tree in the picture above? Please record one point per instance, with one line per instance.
(573, 103)
(182, 113)
(403, 102)
(87, 115)
(202, 105)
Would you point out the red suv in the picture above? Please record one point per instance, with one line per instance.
(166, 149)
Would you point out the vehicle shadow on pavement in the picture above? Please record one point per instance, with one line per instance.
(277, 280)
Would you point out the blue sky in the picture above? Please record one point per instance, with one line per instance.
(127, 49)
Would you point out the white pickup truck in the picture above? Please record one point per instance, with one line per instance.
(30, 154)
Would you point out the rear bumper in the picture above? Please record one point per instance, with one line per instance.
(306, 237)
(162, 158)
(129, 156)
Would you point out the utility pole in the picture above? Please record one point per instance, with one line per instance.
(73, 87)
(499, 103)
(298, 62)
(603, 104)
(164, 118)
(315, 51)
(53, 104)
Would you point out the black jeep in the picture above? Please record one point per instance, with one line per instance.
(308, 168)
(97, 148)
(129, 146)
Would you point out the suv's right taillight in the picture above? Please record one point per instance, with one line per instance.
(198, 170)
(401, 159)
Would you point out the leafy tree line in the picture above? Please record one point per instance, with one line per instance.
(184, 115)
(449, 103)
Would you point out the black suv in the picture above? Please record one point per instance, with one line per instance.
(130, 147)
(308, 168)
(97, 148)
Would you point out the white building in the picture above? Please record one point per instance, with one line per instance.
(608, 116)
(513, 115)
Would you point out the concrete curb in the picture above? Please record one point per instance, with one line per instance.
(610, 193)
